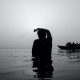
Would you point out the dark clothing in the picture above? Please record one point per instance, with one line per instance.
(41, 51)
(42, 48)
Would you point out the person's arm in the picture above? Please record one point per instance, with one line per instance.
(49, 37)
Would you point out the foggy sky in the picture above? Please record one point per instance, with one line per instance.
(18, 18)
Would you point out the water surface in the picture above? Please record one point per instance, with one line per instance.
(16, 64)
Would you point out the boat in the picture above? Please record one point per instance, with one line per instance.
(70, 46)
(63, 47)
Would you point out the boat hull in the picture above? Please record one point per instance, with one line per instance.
(68, 48)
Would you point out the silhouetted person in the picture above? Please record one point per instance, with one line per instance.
(42, 47)
(41, 53)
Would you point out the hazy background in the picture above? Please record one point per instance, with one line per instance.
(18, 18)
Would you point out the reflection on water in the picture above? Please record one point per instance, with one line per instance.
(73, 55)
(43, 68)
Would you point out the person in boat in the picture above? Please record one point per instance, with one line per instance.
(43, 45)
(68, 44)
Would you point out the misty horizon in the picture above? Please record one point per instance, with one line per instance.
(18, 19)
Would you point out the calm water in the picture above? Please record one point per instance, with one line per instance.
(16, 64)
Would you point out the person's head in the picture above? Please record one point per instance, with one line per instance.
(41, 34)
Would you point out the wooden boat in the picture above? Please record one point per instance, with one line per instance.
(70, 46)
(63, 47)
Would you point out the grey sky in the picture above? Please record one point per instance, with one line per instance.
(18, 18)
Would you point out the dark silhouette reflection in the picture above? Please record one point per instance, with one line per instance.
(70, 54)
(41, 53)
(43, 68)
(74, 55)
